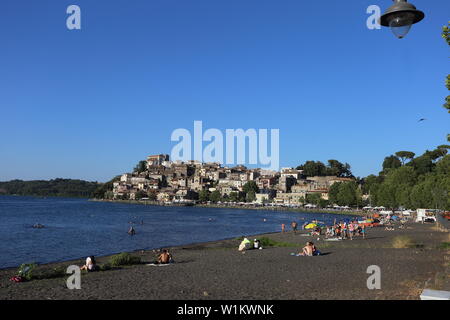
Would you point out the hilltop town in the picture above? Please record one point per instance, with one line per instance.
(165, 181)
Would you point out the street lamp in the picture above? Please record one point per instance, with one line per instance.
(400, 17)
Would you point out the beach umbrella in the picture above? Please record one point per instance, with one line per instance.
(310, 226)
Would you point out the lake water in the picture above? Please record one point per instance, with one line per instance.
(76, 228)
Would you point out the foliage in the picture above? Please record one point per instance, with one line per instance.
(313, 198)
(141, 194)
(446, 36)
(334, 168)
(423, 182)
(251, 196)
(140, 167)
(345, 194)
(123, 259)
(267, 242)
(391, 162)
(404, 155)
(26, 270)
(103, 189)
(250, 186)
(51, 188)
(203, 195)
(215, 196)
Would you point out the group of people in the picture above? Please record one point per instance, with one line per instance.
(246, 244)
(344, 230)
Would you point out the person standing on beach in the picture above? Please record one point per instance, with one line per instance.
(363, 231)
(294, 226)
(283, 227)
(351, 230)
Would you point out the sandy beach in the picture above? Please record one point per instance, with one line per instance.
(217, 270)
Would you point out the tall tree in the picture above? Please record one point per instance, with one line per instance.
(391, 162)
(404, 155)
(140, 167)
(446, 36)
(215, 196)
(250, 186)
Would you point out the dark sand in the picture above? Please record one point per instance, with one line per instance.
(216, 270)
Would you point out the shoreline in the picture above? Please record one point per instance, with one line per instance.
(241, 207)
(220, 270)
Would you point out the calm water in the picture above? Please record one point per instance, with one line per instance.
(76, 228)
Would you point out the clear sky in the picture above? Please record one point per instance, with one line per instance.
(91, 103)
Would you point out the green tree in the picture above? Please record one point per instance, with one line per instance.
(234, 196)
(203, 196)
(347, 194)
(338, 169)
(140, 194)
(312, 169)
(141, 167)
(446, 36)
(313, 198)
(423, 164)
(250, 186)
(251, 196)
(391, 162)
(333, 192)
(215, 196)
(404, 155)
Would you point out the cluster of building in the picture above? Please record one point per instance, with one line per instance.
(175, 181)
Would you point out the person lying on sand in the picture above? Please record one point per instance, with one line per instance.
(245, 245)
(90, 264)
(165, 257)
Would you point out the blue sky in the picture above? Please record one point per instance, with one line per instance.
(90, 103)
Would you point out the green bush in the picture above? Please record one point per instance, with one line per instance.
(123, 259)
(57, 272)
(105, 267)
(26, 270)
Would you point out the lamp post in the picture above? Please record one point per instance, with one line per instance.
(400, 17)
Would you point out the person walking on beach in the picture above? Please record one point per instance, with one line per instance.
(363, 231)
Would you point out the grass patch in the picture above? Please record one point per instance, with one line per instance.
(122, 259)
(444, 245)
(267, 242)
(402, 242)
(57, 272)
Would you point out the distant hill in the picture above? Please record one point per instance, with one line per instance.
(50, 188)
